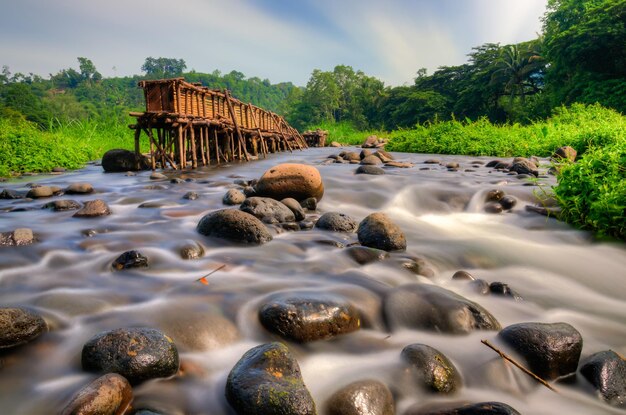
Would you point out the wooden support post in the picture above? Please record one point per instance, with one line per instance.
(152, 155)
(161, 136)
(286, 142)
(172, 162)
(217, 146)
(208, 146)
(181, 147)
(202, 152)
(137, 147)
(194, 156)
(256, 125)
(234, 118)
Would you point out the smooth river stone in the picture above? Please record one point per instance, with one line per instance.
(110, 394)
(19, 326)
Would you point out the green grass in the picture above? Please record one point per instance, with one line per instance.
(26, 148)
(345, 133)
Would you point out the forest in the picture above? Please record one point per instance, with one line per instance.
(566, 87)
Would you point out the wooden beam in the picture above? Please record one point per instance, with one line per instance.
(234, 118)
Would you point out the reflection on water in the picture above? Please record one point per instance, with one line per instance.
(67, 277)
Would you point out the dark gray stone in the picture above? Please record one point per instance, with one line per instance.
(378, 231)
(294, 206)
(336, 222)
(368, 169)
(130, 259)
(235, 226)
(606, 371)
(364, 255)
(551, 350)
(19, 326)
(429, 307)
(93, 208)
(431, 369)
(524, 166)
(482, 408)
(119, 160)
(10, 194)
(503, 289)
(138, 354)
(191, 196)
(463, 275)
(267, 210)
(309, 204)
(508, 202)
(267, 381)
(493, 207)
(364, 397)
(62, 205)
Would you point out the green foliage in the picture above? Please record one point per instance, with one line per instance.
(156, 68)
(346, 133)
(592, 192)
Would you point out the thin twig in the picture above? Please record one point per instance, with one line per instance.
(522, 368)
(203, 278)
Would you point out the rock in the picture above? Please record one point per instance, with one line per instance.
(366, 152)
(565, 153)
(431, 369)
(267, 381)
(432, 161)
(352, 156)
(371, 161)
(364, 397)
(93, 208)
(157, 176)
(138, 354)
(500, 288)
(398, 164)
(40, 192)
(110, 394)
(62, 205)
(606, 371)
(508, 202)
(370, 142)
(130, 259)
(294, 206)
(378, 231)
(198, 331)
(191, 196)
(524, 166)
(176, 180)
(494, 195)
(493, 163)
(79, 189)
(502, 166)
(364, 255)
(463, 275)
(336, 222)
(309, 204)
(19, 237)
(235, 226)
(58, 169)
(482, 408)
(493, 207)
(429, 307)
(480, 286)
(233, 197)
(384, 156)
(418, 266)
(10, 194)
(335, 144)
(551, 350)
(19, 326)
(308, 316)
(192, 251)
(298, 181)
(452, 165)
(368, 169)
(267, 210)
(119, 160)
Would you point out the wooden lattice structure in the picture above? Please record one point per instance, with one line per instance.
(315, 138)
(188, 125)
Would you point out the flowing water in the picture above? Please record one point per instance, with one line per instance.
(562, 274)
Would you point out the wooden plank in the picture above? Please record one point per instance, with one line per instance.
(234, 118)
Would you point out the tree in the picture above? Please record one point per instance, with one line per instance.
(519, 70)
(88, 70)
(163, 67)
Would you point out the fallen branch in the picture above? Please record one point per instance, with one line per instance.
(522, 368)
(203, 279)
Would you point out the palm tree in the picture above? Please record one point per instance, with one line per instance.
(519, 68)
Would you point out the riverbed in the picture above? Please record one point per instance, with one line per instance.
(562, 274)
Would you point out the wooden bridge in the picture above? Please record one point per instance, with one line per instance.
(188, 125)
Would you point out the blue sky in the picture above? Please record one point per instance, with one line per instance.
(282, 40)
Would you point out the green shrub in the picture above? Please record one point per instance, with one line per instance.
(346, 133)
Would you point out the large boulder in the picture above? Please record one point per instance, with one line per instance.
(298, 181)
(267, 381)
(19, 326)
(524, 166)
(378, 231)
(235, 226)
(267, 210)
(364, 397)
(552, 350)
(606, 371)
(138, 354)
(430, 307)
(119, 160)
(110, 394)
(565, 153)
(431, 369)
(308, 316)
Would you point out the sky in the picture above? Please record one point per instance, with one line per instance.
(281, 40)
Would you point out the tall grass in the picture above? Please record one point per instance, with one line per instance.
(26, 148)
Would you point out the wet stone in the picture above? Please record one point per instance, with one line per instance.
(565, 153)
(40, 192)
(10, 194)
(371, 160)
(62, 205)
(480, 286)
(177, 180)
(363, 255)
(432, 161)
(192, 251)
(419, 266)
(19, 326)
(431, 369)
(58, 169)
(452, 165)
(298, 181)
(267, 381)
(249, 191)
(429, 307)
(267, 210)
(191, 196)
(494, 195)
(235, 226)
(482, 408)
(109, 394)
(19, 237)
(233, 197)
(93, 208)
(158, 176)
(308, 316)
(378, 231)
(138, 354)
(503, 289)
(606, 371)
(508, 202)
(524, 166)
(384, 156)
(336, 222)
(309, 204)
(79, 189)
(551, 350)
(493, 207)
(130, 259)
(366, 152)
(502, 166)
(364, 397)
(120, 160)
(351, 156)
(398, 164)
(373, 170)
(463, 276)
(294, 206)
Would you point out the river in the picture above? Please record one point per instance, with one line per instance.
(561, 273)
